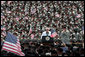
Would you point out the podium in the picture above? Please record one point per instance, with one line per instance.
(47, 39)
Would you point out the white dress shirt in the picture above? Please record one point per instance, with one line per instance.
(45, 34)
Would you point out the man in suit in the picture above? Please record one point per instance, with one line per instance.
(46, 33)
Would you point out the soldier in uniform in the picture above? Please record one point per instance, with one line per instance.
(65, 36)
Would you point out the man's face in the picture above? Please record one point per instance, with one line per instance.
(47, 30)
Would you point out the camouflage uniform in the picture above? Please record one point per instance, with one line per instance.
(65, 37)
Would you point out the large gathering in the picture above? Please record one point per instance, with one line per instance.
(42, 28)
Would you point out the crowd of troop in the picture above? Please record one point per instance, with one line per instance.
(66, 17)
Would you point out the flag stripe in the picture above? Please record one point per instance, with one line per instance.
(18, 53)
(53, 33)
(18, 44)
(5, 45)
(11, 47)
(12, 50)
(8, 49)
(10, 44)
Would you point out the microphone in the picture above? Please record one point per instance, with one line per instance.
(47, 33)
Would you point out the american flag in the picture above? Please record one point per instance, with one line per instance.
(26, 18)
(8, 11)
(45, 8)
(2, 2)
(30, 31)
(2, 16)
(9, 2)
(17, 18)
(32, 36)
(3, 33)
(53, 33)
(57, 15)
(12, 44)
(2, 28)
(33, 10)
(78, 16)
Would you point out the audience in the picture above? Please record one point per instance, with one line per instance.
(66, 16)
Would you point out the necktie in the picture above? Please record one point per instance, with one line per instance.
(47, 33)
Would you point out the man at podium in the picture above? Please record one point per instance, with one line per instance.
(46, 33)
(45, 37)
